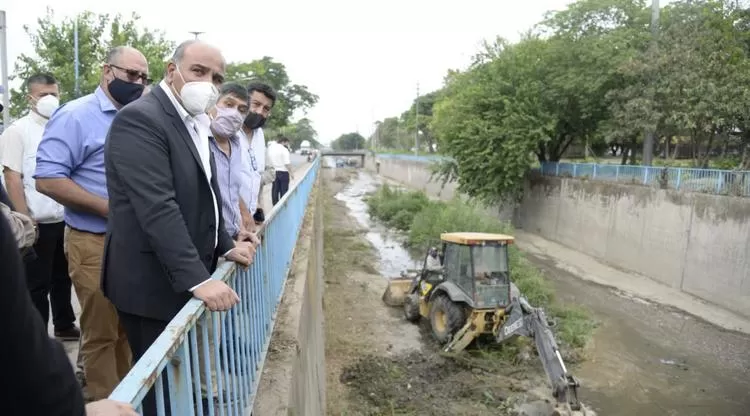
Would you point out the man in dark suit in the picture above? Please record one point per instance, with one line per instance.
(165, 232)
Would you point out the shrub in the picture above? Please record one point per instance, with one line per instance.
(394, 207)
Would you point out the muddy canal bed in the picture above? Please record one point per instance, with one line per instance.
(377, 362)
(644, 359)
(649, 360)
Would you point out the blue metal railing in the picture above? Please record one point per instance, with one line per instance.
(412, 158)
(715, 181)
(195, 369)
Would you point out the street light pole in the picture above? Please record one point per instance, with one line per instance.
(648, 141)
(77, 62)
(197, 33)
(4, 68)
(416, 124)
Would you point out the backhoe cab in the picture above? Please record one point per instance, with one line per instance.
(471, 286)
(468, 294)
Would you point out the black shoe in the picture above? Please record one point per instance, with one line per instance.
(70, 334)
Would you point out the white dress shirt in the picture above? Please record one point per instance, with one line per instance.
(252, 172)
(18, 146)
(199, 130)
(278, 157)
(259, 148)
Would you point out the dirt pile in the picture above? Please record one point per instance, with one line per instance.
(421, 383)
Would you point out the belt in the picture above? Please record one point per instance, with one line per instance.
(83, 231)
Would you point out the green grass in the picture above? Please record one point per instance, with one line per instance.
(423, 220)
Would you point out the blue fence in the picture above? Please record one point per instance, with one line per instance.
(723, 182)
(412, 158)
(209, 363)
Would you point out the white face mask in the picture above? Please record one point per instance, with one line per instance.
(197, 96)
(47, 105)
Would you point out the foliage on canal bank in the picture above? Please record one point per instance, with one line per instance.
(422, 220)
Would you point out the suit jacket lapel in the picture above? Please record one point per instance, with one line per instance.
(179, 124)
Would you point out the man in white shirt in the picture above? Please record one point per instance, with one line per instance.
(262, 100)
(280, 159)
(47, 272)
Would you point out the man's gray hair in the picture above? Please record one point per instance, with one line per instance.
(115, 53)
(179, 53)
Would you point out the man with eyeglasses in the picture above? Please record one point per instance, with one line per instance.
(70, 170)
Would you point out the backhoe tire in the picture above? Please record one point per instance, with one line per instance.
(446, 318)
(411, 308)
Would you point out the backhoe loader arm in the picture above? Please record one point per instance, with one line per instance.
(527, 321)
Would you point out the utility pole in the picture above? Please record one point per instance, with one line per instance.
(398, 133)
(197, 33)
(416, 124)
(648, 141)
(4, 68)
(76, 61)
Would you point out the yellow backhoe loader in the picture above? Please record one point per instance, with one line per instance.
(465, 292)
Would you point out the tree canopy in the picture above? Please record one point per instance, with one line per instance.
(97, 33)
(298, 132)
(349, 141)
(291, 97)
(594, 79)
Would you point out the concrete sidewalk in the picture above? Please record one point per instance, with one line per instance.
(590, 269)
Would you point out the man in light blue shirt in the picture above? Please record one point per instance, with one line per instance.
(226, 118)
(70, 170)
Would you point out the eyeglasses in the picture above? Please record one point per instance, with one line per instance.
(134, 74)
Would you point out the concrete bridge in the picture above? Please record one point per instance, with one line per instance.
(346, 153)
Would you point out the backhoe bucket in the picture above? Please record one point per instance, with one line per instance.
(396, 292)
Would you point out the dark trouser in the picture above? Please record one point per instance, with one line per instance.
(142, 332)
(280, 186)
(47, 275)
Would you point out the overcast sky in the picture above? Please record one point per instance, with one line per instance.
(363, 58)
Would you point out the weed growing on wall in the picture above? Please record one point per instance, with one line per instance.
(423, 220)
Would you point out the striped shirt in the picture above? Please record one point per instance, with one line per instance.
(229, 176)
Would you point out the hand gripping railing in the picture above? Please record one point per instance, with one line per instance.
(197, 370)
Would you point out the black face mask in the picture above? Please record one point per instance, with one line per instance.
(125, 92)
(254, 121)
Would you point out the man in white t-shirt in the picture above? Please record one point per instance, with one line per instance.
(280, 159)
(262, 100)
(47, 272)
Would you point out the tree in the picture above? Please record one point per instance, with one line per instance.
(387, 134)
(300, 131)
(423, 120)
(291, 97)
(490, 120)
(691, 83)
(537, 97)
(53, 47)
(349, 141)
(593, 77)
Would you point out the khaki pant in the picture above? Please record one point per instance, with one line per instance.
(104, 347)
(212, 362)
